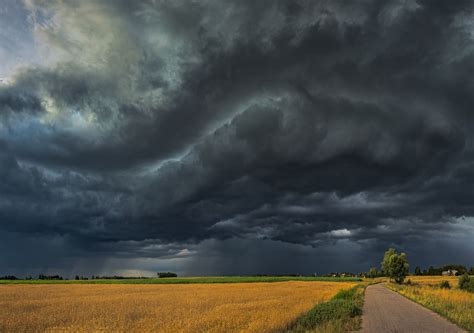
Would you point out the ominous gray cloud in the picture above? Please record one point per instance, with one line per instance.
(237, 137)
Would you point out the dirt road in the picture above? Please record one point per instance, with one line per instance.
(386, 311)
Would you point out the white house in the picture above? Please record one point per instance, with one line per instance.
(450, 272)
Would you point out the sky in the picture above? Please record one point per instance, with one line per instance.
(213, 137)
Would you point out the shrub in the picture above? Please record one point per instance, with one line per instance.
(408, 282)
(470, 286)
(445, 285)
(466, 283)
(463, 281)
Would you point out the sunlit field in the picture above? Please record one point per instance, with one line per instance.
(243, 307)
(187, 280)
(454, 304)
(433, 280)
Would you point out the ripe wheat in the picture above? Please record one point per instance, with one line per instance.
(454, 304)
(249, 307)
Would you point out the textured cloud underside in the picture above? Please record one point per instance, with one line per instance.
(188, 131)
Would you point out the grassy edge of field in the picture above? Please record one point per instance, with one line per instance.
(435, 309)
(190, 280)
(340, 314)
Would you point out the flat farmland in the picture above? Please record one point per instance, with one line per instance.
(454, 304)
(186, 280)
(433, 280)
(232, 307)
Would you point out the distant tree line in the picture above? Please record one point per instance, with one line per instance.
(167, 274)
(49, 277)
(439, 270)
(93, 277)
(373, 272)
(273, 275)
(118, 277)
(341, 274)
(81, 277)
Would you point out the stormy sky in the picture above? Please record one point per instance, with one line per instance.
(234, 137)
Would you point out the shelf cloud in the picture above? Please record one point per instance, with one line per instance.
(218, 137)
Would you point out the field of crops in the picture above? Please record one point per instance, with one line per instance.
(187, 280)
(240, 307)
(433, 280)
(454, 304)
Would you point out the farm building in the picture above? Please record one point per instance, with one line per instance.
(450, 272)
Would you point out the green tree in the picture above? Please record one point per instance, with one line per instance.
(417, 270)
(372, 273)
(395, 265)
(433, 271)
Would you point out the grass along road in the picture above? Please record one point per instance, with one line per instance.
(338, 315)
(454, 304)
(387, 311)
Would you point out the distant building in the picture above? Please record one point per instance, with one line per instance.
(450, 272)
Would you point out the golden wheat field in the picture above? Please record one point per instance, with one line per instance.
(245, 307)
(434, 280)
(455, 304)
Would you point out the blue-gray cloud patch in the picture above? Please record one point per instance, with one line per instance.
(185, 131)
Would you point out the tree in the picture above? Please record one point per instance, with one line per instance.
(395, 265)
(433, 271)
(372, 273)
(417, 270)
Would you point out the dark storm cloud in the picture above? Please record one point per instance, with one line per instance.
(185, 130)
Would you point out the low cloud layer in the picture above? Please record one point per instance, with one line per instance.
(224, 137)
